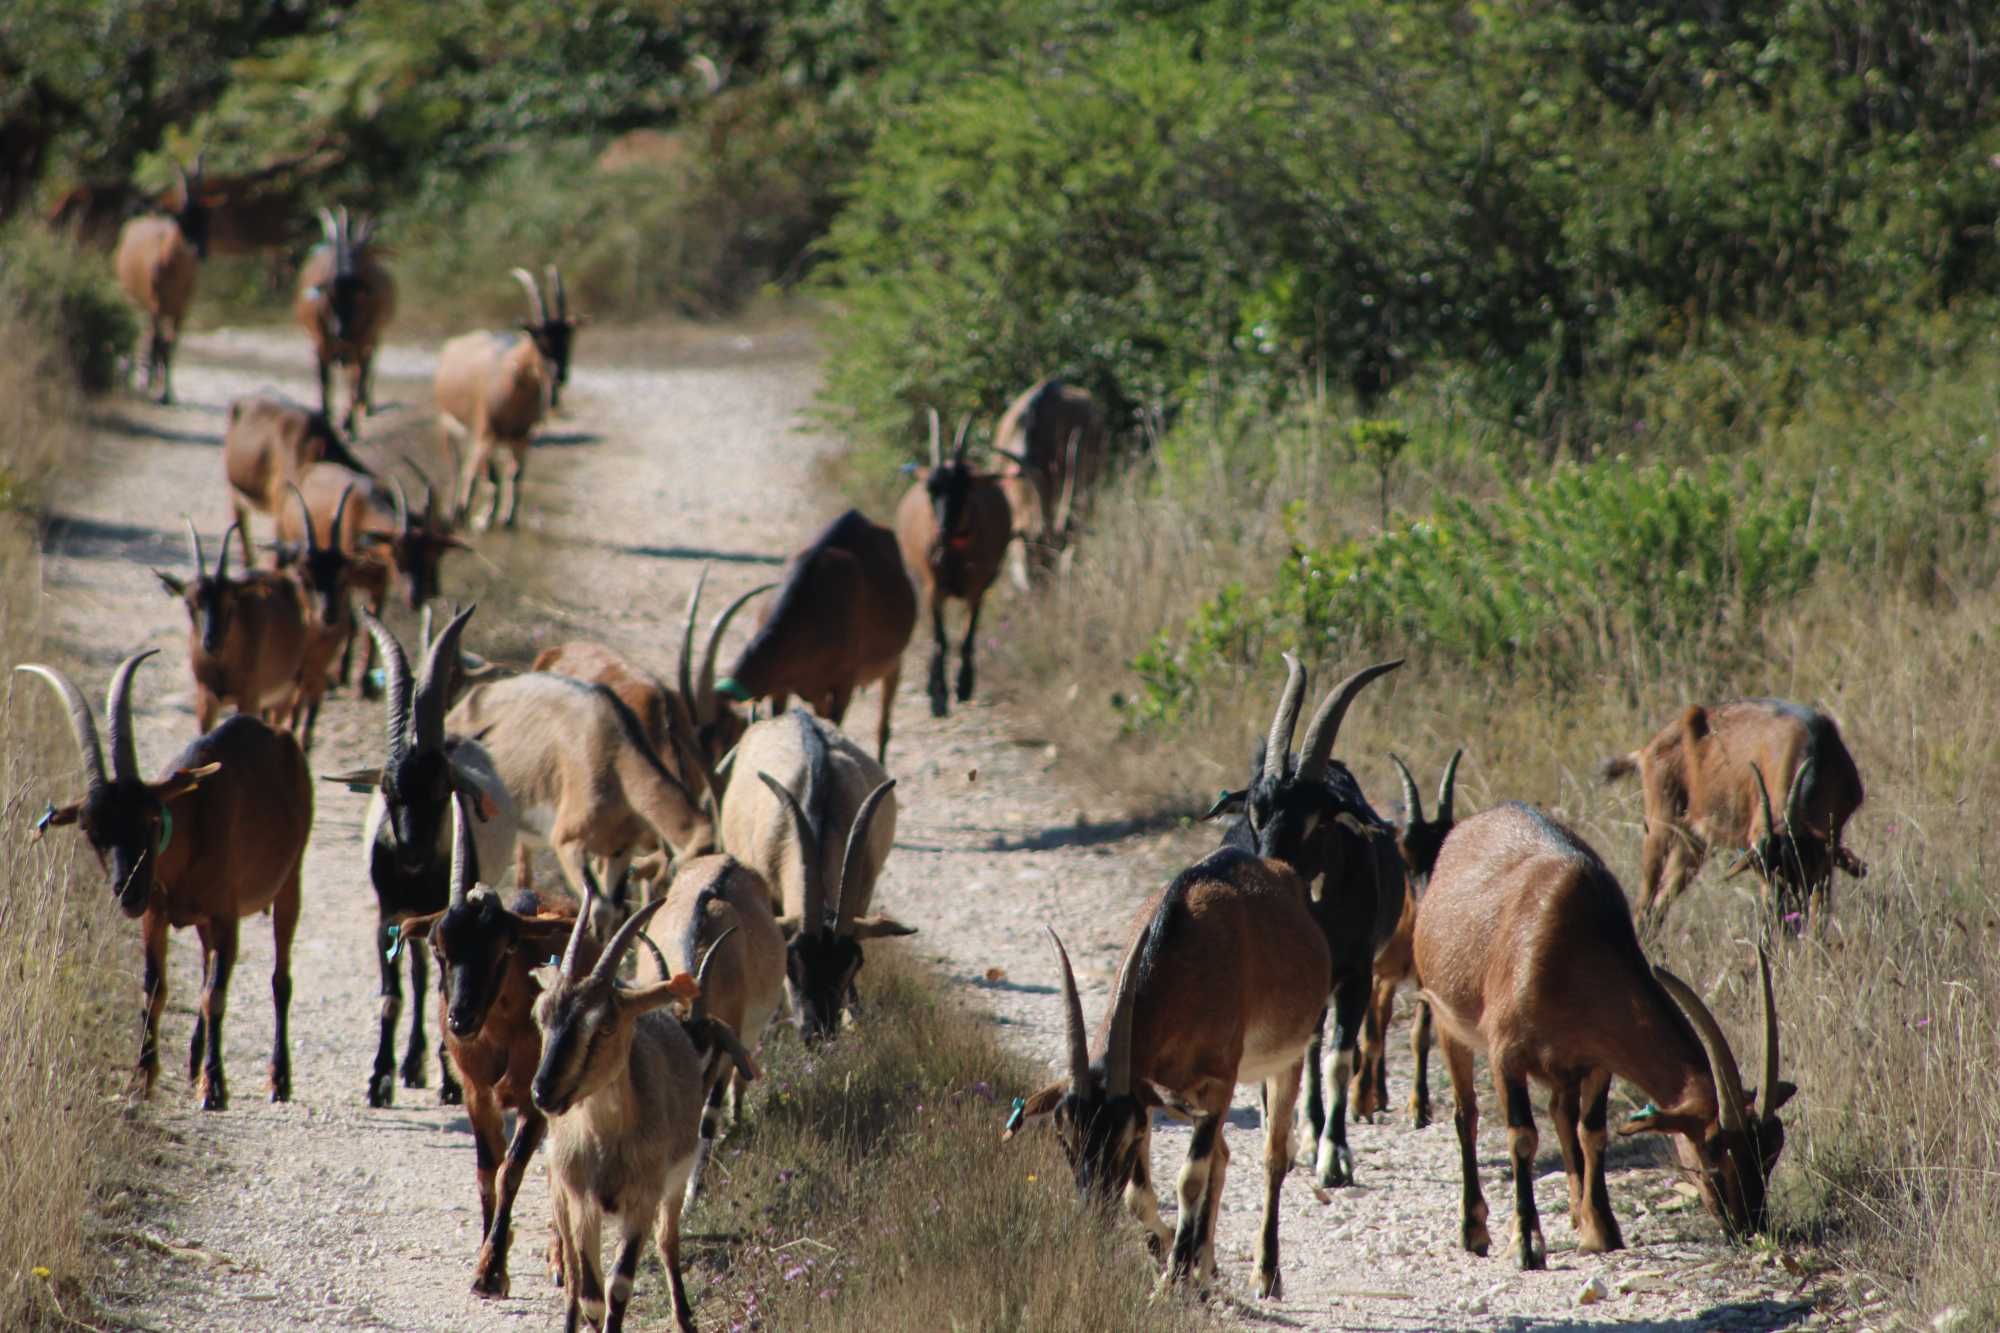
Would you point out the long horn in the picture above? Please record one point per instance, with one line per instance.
(574, 949)
(396, 674)
(1317, 747)
(1795, 800)
(81, 723)
(1413, 807)
(1447, 786)
(715, 645)
(699, 1010)
(1079, 1040)
(434, 688)
(812, 917)
(1066, 502)
(621, 943)
(328, 228)
(187, 190)
(535, 306)
(687, 647)
(1768, 1093)
(857, 847)
(557, 294)
(937, 440)
(194, 548)
(222, 556)
(461, 838)
(958, 439)
(1279, 743)
(402, 504)
(1721, 1060)
(339, 513)
(1118, 1040)
(1764, 793)
(118, 719)
(306, 517)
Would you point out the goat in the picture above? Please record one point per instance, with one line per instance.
(719, 926)
(953, 528)
(323, 573)
(843, 617)
(622, 1085)
(1223, 983)
(220, 837)
(246, 637)
(266, 448)
(1527, 951)
(157, 261)
(1419, 839)
(407, 832)
(818, 826)
(345, 300)
(1701, 776)
(1053, 440)
(486, 956)
(1309, 813)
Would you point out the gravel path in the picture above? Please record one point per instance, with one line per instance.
(676, 450)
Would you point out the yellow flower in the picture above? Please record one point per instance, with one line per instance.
(41, 1272)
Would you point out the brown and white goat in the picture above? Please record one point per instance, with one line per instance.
(843, 616)
(1419, 839)
(1702, 776)
(220, 837)
(158, 259)
(487, 956)
(1527, 951)
(267, 448)
(1053, 440)
(246, 637)
(622, 1084)
(953, 528)
(345, 300)
(817, 825)
(1223, 983)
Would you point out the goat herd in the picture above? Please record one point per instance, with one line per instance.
(755, 844)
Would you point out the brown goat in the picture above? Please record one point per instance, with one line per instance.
(1053, 440)
(345, 300)
(843, 617)
(953, 529)
(1526, 947)
(246, 637)
(1223, 983)
(221, 837)
(157, 262)
(325, 575)
(1703, 776)
(268, 446)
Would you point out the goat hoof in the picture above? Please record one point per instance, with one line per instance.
(1476, 1241)
(1271, 1288)
(214, 1094)
(1335, 1167)
(413, 1074)
(450, 1094)
(281, 1085)
(1534, 1253)
(490, 1285)
(381, 1091)
(939, 706)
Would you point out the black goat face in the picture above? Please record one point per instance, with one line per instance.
(417, 792)
(343, 303)
(948, 487)
(1101, 1136)
(473, 942)
(819, 971)
(127, 827)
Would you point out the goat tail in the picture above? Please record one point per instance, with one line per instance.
(1618, 766)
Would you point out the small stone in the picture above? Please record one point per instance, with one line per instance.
(1592, 1292)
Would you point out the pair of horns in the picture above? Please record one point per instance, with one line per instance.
(813, 918)
(1118, 1040)
(1323, 730)
(117, 712)
(417, 706)
(536, 306)
(305, 517)
(222, 557)
(1413, 805)
(1795, 800)
(701, 701)
(957, 440)
(622, 940)
(1733, 1108)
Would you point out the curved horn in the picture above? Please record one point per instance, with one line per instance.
(402, 504)
(708, 710)
(535, 306)
(306, 517)
(1764, 794)
(187, 190)
(1721, 1060)
(1413, 807)
(1079, 1040)
(937, 439)
(328, 227)
(621, 943)
(81, 723)
(1066, 502)
(857, 847)
(461, 838)
(697, 1009)
(1317, 747)
(584, 910)
(1767, 1095)
(1279, 743)
(118, 719)
(1118, 1040)
(1447, 785)
(812, 916)
(194, 548)
(1795, 800)
(557, 294)
(958, 439)
(222, 556)
(434, 688)
(339, 513)
(430, 491)
(687, 646)
(396, 674)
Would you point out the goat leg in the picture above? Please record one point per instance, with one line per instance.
(1420, 1053)
(153, 936)
(1313, 1105)
(198, 1042)
(1280, 1095)
(1522, 1142)
(1458, 1064)
(284, 921)
(381, 1085)
(213, 1089)
(415, 1053)
(489, 1277)
(939, 705)
(1335, 1165)
(965, 650)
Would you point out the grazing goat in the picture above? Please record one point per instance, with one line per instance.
(1418, 839)
(221, 837)
(266, 449)
(622, 1085)
(487, 956)
(843, 617)
(952, 526)
(1222, 984)
(157, 261)
(1309, 813)
(818, 826)
(1052, 438)
(246, 637)
(1701, 776)
(408, 835)
(345, 300)
(324, 574)
(1527, 951)
(719, 926)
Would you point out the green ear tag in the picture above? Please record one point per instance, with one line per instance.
(1647, 1112)
(166, 831)
(395, 943)
(1017, 1115)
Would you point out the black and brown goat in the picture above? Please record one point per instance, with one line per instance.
(267, 449)
(220, 837)
(843, 617)
(1309, 812)
(345, 300)
(1052, 439)
(1223, 983)
(324, 574)
(1527, 951)
(1703, 777)
(246, 637)
(158, 259)
(953, 527)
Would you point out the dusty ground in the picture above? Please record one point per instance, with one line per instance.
(675, 450)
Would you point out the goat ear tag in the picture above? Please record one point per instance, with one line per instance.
(395, 943)
(1016, 1116)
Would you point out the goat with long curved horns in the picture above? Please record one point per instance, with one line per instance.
(247, 636)
(345, 301)
(952, 526)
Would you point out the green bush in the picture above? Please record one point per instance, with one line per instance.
(69, 298)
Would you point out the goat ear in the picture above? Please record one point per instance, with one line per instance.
(874, 927)
(360, 779)
(1228, 803)
(417, 927)
(174, 584)
(679, 987)
(1782, 1093)
(1034, 1109)
(542, 937)
(1652, 1120)
(183, 781)
(54, 818)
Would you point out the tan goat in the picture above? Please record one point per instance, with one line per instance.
(267, 448)
(246, 637)
(952, 526)
(345, 301)
(157, 262)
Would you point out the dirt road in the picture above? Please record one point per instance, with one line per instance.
(674, 451)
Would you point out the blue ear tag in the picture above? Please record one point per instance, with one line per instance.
(554, 961)
(48, 817)
(1017, 1115)
(395, 943)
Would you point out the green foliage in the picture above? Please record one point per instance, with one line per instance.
(69, 298)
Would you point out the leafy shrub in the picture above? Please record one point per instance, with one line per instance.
(68, 298)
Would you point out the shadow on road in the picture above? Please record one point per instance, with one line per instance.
(117, 423)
